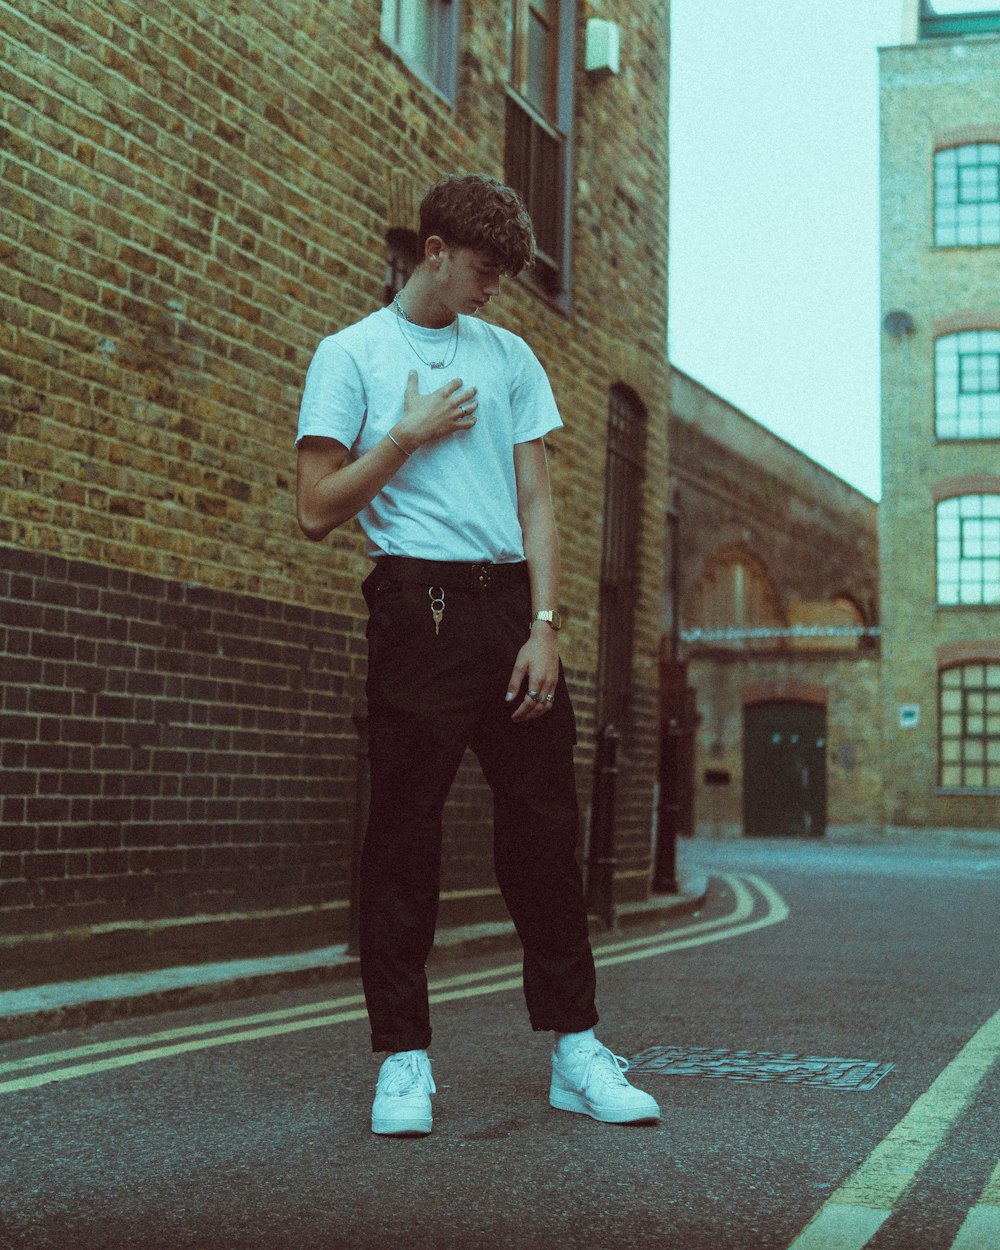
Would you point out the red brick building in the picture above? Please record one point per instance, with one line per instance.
(194, 195)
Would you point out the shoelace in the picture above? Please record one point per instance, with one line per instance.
(603, 1065)
(407, 1074)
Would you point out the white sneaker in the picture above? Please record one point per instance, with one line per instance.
(402, 1106)
(591, 1080)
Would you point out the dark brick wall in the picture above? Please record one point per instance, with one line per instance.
(168, 750)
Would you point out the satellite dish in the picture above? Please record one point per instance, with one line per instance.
(897, 323)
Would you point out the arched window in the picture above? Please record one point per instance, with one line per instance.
(967, 384)
(827, 624)
(969, 726)
(968, 550)
(734, 594)
(967, 195)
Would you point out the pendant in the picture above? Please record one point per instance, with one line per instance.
(436, 364)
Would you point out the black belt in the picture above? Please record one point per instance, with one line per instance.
(452, 574)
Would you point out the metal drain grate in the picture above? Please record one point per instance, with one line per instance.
(748, 1065)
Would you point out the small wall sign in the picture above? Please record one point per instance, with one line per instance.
(909, 715)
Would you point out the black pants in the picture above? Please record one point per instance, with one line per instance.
(431, 694)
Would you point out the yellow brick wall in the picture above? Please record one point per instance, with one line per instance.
(932, 95)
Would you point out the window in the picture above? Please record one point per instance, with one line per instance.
(967, 384)
(539, 113)
(827, 624)
(733, 597)
(425, 34)
(620, 553)
(969, 726)
(968, 550)
(535, 57)
(967, 195)
(400, 260)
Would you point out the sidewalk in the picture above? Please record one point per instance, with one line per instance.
(76, 1004)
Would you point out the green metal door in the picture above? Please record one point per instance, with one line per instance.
(784, 770)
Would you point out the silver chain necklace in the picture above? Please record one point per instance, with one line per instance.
(433, 364)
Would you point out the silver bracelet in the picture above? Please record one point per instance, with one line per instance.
(395, 444)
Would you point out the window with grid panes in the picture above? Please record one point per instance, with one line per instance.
(967, 384)
(968, 550)
(425, 34)
(969, 726)
(967, 195)
(539, 114)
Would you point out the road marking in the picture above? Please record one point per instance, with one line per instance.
(982, 1225)
(743, 907)
(853, 1215)
(191, 1038)
(777, 911)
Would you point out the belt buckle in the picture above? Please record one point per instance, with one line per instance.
(482, 576)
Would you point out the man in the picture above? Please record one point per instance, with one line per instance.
(428, 425)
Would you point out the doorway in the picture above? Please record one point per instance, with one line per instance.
(784, 770)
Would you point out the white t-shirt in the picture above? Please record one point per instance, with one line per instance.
(454, 498)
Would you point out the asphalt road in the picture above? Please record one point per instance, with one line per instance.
(246, 1124)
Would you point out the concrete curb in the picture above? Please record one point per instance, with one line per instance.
(78, 1004)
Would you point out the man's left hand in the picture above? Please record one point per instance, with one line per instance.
(535, 674)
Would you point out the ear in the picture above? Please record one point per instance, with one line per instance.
(434, 249)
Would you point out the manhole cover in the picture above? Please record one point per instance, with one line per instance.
(749, 1065)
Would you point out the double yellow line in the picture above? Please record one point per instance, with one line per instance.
(81, 1061)
(851, 1216)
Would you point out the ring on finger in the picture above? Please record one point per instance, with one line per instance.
(550, 698)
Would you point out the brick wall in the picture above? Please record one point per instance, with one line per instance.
(738, 487)
(195, 194)
(168, 752)
(935, 93)
(851, 694)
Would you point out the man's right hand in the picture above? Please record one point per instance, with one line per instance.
(425, 418)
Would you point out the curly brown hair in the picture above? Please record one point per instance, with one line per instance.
(479, 211)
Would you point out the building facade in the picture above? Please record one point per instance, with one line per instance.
(771, 642)
(939, 519)
(195, 195)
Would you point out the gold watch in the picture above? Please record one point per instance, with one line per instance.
(550, 616)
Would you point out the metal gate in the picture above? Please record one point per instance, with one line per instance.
(784, 770)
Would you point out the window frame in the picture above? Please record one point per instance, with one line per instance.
(949, 236)
(975, 725)
(958, 557)
(442, 76)
(551, 274)
(754, 601)
(943, 368)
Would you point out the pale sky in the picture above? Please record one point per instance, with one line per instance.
(774, 247)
